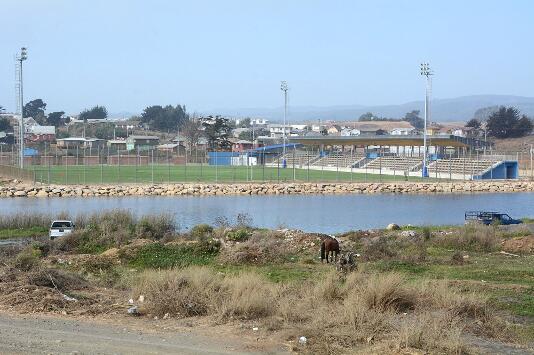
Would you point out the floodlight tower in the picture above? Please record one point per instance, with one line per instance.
(21, 57)
(284, 88)
(426, 72)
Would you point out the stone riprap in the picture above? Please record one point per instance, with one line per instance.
(23, 190)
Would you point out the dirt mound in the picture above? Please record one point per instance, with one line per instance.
(58, 279)
(519, 245)
(57, 291)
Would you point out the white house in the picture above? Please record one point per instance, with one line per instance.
(277, 130)
(401, 131)
(299, 127)
(259, 122)
(350, 132)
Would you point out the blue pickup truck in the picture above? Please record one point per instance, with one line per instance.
(488, 218)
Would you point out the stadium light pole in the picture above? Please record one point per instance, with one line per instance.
(284, 88)
(426, 72)
(21, 58)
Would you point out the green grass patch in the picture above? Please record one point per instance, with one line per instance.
(23, 232)
(108, 174)
(519, 303)
(399, 266)
(277, 272)
(157, 255)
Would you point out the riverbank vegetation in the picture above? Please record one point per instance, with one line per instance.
(419, 289)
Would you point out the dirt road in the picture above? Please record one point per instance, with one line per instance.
(29, 334)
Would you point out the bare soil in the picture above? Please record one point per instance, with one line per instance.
(38, 334)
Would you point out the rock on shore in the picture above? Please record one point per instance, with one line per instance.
(25, 190)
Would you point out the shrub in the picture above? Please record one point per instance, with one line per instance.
(190, 292)
(259, 248)
(200, 291)
(239, 235)
(379, 248)
(155, 227)
(201, 231)
(383, 311)
(244, 220)
(27, 259)
(427, 233)
(457, 258)
(387, 292)
(68, 243)
(248, 296)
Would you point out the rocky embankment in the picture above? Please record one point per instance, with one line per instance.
(24, 190)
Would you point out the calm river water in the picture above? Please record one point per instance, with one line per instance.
(313, 213)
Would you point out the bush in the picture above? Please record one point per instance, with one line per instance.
(27, 259)
(184, 293)
(387, 292)
(384, 312)
(201, 231)
(378, 248)
(427, 233)
(199, 291)
(155, 227)
(239, 235)
(244, 220)
(259, 248)
(247, 297)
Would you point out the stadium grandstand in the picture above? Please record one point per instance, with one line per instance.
(449, 156)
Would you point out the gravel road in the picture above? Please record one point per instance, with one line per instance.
(28, 334)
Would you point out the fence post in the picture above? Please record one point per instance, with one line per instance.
(185, 167)
(101, 158)
(67, 165)
(294, 171)
(84, 161)
(308, 158)
(168, 168)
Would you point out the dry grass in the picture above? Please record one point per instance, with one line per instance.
(377, 311)
(25, 220)
(199, 291)
(188, 292)
(473, 237)
(259, 248)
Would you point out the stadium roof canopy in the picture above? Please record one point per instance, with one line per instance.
(392, 140)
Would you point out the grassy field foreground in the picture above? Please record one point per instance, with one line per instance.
(416, 290)
(108, 174)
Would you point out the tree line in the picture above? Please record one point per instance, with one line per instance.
(503, 122)
(412, 117)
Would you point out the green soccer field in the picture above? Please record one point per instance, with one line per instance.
(194, 173)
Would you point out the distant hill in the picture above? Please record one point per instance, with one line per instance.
(443, 110)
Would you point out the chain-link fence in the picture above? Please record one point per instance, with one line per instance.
(104, 166)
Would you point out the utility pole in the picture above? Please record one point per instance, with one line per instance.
(425, 71)
(21, 58)
(284, 88)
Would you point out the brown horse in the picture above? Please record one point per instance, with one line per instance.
(329, 249)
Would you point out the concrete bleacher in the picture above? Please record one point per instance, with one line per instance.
(462, 166)
(297, 158)
(339, 159)
(393, 162)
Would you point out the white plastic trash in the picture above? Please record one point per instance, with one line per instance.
(302, 340)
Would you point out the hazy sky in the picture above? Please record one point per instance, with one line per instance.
(206, 54)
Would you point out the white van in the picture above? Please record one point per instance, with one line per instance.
(60, 228)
